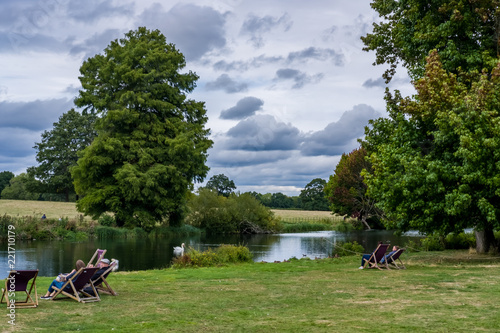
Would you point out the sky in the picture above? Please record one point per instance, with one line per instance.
(286, 84)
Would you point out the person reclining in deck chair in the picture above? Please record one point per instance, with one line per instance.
(367, 257)
(386, 257)
(61, 280)
(103, 267)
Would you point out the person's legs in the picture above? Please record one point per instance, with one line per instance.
(365, 258)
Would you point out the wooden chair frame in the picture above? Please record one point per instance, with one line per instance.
(98, 255)
(74, 287)
(24, 279)
(101, 284)
(392, 260)
(376, 257)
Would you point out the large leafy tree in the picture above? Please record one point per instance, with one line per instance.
(152, 143)
(58, 152)
(435, 159)
(465, 33)
(346, 189)
(312, 197)
(17, 189)
(221, 184)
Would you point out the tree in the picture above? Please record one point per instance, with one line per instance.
(280, 200)
(17, 189)
(312, 197)
(58, 152)
(152, 143)
(5, 177)
(435, 159)
(222, 184)
(346, 189)
(466, 34)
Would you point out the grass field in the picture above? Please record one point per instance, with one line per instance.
(439, 292)
(53, 209)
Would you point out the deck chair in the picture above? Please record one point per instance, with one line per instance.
(101, 284)
(377, 255)
(74, 287)
(21, 281)
(98, 255)
(391, 260)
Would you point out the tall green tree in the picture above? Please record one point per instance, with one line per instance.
(58, 152)
(152, 142)
(312, 197)
(435, 159)
(5, 177)
(465, 33)
(17, 189)
(346, 189)
(221, 184)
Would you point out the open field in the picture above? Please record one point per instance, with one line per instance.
(439, 292)
(52, 209)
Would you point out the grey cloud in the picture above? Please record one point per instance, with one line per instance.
(17, 142)
(341, 136)
(370, 83)
(17, 40)
(194, 29)
(316, 54)
(256, 26)
(37, 115)
(94, 10)
(241, 158)
(262, 133)
(300, 78)
(96, 43)
(224, 82)
(241, 66)
(244, 108)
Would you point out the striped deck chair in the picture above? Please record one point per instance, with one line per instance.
(376, 257)
(74, 288)
(21, 281)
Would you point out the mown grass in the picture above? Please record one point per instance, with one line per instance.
(450, 291)
(52, 209)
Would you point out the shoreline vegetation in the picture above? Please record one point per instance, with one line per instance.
(446, 291)
(63, 222)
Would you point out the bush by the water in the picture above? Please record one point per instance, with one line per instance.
(222, 255)
(234, 214)
(342, 249)
(438, 242)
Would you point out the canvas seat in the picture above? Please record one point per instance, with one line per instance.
(376, 257)
(74, 288)
(392, 261)
(21, 281)
(101, 284)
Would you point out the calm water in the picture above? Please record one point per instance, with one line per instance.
(54, 257)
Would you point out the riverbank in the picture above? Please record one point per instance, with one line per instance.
(449, 291)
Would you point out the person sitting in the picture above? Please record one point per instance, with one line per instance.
(61, 279)
(367, 257)
(103, 267)
(386, 257)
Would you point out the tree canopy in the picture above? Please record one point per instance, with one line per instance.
(58, 152)
(152, 142)
(466, 34)
(312, 197)
(5, 177)
(221, 184)
(346, 189)
(435, 159)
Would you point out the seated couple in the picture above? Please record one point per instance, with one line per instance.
(61, 279)
(367, 257)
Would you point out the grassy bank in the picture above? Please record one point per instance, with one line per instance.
(439, 292)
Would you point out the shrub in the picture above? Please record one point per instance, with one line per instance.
(223, 255)
(107, 220)
(343, 249)
(433, 242)
(460, 241)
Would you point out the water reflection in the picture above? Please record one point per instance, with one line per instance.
(53, 257)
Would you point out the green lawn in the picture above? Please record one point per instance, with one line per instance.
(439, 292)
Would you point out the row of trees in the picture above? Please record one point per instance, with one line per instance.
(432, 164)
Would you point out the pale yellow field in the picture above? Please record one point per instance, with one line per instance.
(51, 209)
(291, 215)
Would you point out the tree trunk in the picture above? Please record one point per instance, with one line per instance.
(484, 240)
(363, 219)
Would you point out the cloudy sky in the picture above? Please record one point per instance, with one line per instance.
(287, 86)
